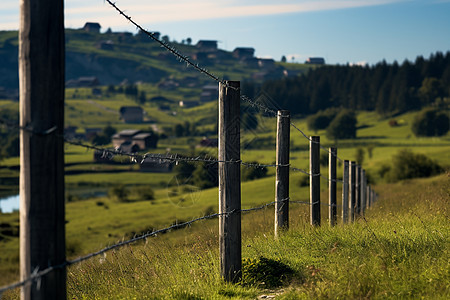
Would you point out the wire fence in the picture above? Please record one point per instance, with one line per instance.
(175, 158)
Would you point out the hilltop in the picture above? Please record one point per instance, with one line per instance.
(116, 57)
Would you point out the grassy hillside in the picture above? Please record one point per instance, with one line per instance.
(399, 250)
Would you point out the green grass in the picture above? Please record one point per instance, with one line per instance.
(399, 251)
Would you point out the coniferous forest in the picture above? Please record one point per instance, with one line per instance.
(386, 88)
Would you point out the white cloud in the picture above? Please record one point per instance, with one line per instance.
(163, 11)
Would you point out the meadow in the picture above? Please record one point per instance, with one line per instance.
(406, 233)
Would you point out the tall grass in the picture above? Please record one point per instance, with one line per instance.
(399, 250)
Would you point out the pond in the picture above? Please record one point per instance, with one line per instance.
(9, 204)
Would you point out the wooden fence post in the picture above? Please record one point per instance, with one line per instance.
(351, 202)
(314, 179)
(357, 191)
(332, 202)
(229, 181)
(363, 191)
(368, 196)
(42, 212)
(282, 172)
(345, 180)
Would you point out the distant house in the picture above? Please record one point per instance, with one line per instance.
(128, 147)
(92, 132)
(251, 62)
(88, 81)
(266, 63)
(155, 165)
(131, 140)
(124, 136)
(315, 60)
(207, 45)
(132, 114)
(209, 93)
(145, 140)
(92, 27)
(243, 52)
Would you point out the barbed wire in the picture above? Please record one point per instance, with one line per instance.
(171, 49)
(184, 58)
(37, 275)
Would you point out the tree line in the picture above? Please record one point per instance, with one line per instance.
(386, 88)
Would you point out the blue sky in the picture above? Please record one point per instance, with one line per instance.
(341, 31)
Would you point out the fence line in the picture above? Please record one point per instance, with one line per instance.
(184, 58)
(358, 198)
(39, 274)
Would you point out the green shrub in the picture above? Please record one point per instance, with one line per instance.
(407, 164)
(303, 181)
(343, 126)
(251, 173)
(119, 192)
(431, 122)
(264, 272)
(144, 193)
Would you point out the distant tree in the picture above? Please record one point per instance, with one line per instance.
(431, 122)
(119, 193)
(142, 97)
(322, 119)
(206, 176)
(109, 131)
(407, 164)
(111, 89)
(189, 41)
(12, 146)
(253, 173)
(430, 90)
(179, 130)
(343, 126)
(283, 59)
(165, 38)
(359, 156)
(100, 140)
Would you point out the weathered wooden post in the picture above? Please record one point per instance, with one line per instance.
(368, 196)
(345, 183)
(282, 172)
(363, 191)
(229, 181)
(314, 179)
(352, 187)
(357, 191)
(41, 81)
(332, 202)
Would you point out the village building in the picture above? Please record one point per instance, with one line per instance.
(242, 52)
(124, 136)
(145, 140)
(92, 27)
(315, 60)
(132, 140)
(266, 63)
(207, 45)
(132, 114)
